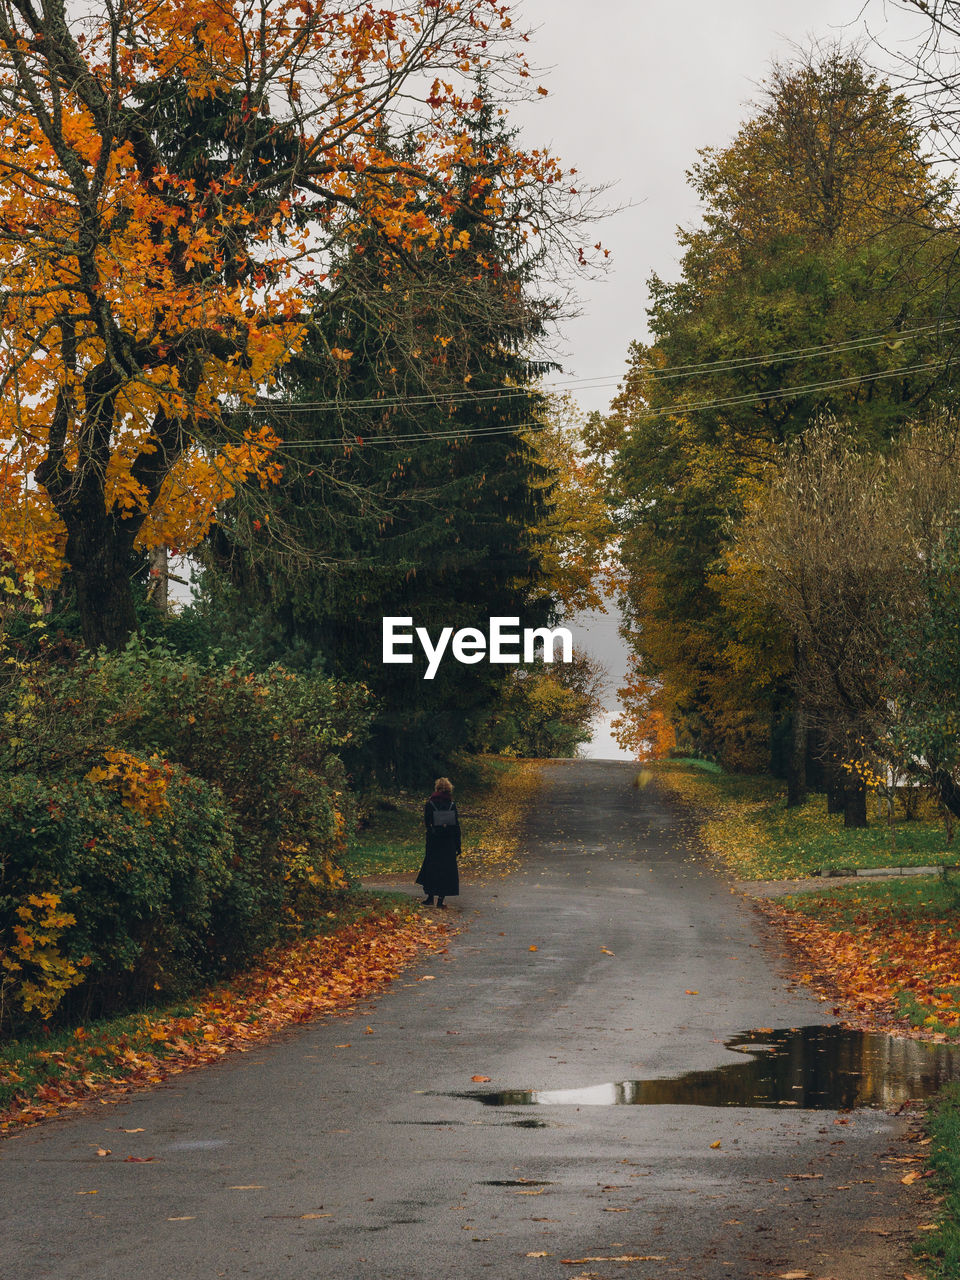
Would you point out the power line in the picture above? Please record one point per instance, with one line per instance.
(729, 365)
(465, 433)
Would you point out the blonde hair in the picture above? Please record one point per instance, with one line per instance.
(443, 784)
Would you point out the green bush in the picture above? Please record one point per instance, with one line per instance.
(158, 902)
(256, 809)
(271, 741)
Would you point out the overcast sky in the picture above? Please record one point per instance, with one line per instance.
(635, 88)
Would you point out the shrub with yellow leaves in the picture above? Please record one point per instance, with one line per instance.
(32, 963)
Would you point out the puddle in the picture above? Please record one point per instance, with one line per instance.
(820, 1068)
(516, 1182)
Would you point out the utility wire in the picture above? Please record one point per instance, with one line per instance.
(462, 433)
(730, 365)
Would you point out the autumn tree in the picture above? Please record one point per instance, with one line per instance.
(804, 290)
(546, 710)
(577, 535)
(856, 552)
(174, 180)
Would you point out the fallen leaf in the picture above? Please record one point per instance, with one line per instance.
(620, 1257)
(342, 1046)
(539, 1254)
(714, 1145)
(138, 1159)
(190, 1218)
(427, 977)
(480, 1079)
(804, 1177)
(538, 1192)
(911, 1177)
(250, 1186)
(534, 948)
(607, 952)
(316, 1215)
(794, 1275)
(688, 992)
(103, 1151)
(88, 1193)
(133, 1130)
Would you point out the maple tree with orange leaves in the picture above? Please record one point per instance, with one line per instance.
(174, 182)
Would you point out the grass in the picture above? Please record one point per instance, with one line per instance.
(940, 1250)
(490, 794)
(746, 820)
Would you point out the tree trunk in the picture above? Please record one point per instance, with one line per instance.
(797, 750)
(159, 591)
(797, 762)
(948, 791)
(99, 556)
(854, 801)
(816, 761)
(834, 787)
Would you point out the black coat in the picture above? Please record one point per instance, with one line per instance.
(438, 872)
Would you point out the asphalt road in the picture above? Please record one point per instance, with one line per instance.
(339, 1153)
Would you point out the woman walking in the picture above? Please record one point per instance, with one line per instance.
(438, 873)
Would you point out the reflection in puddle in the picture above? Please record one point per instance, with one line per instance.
(814, 1068)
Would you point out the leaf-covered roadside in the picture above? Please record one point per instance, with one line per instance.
(320, 975)
(886, 952)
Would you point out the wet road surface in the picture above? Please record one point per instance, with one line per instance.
(310, 1160)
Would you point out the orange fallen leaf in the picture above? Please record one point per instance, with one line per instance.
(688, 992)
(133, 1131)
(794, 1275)
(534, 948)
(909, 1178)
(714, 1145)
(103, 1151)
(480, 1079)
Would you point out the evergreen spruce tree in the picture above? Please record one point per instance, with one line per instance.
(424, 505)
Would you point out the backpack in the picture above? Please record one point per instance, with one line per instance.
(444, 817)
